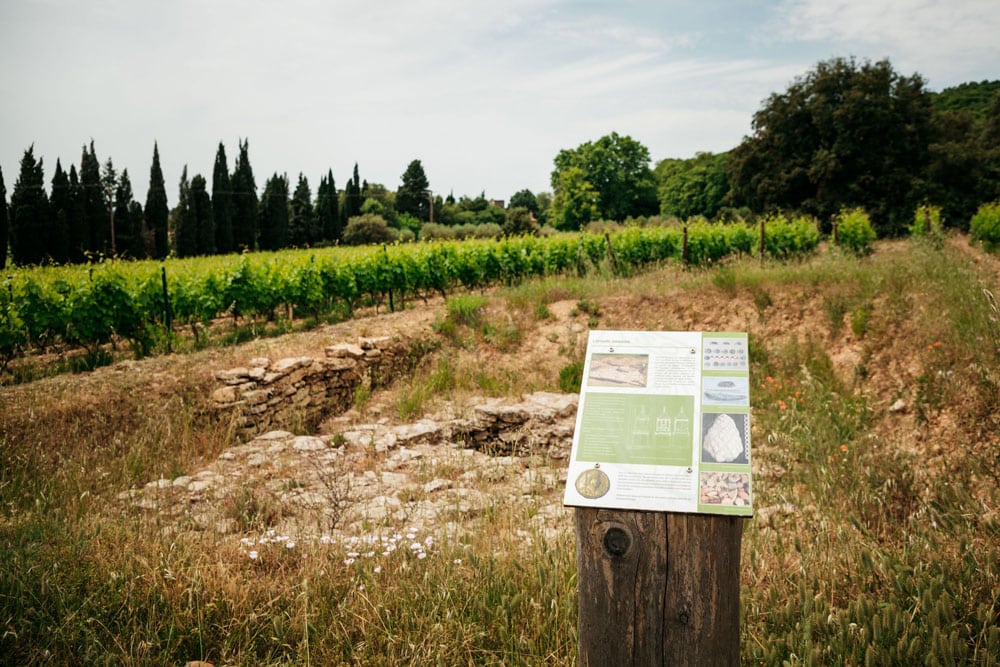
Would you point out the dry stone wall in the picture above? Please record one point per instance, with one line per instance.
(267, 394)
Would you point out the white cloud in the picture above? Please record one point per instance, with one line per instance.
(944, 41)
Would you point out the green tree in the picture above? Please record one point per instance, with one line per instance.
(61, 206)
(222, 203)
(201, 209)
(352, 197)
(386, 199)
(94, 208)
(964, 168)
(109, 183)
(327, 208)
(412, 197)
(128, 220)
(183, 222)
(973, 97)
(30, 219)
(617, 168)
(526, 199)
(519, 220)
(4, 223)
(544, 200)
(303, 228)
(273, 218)
(697, 186)
(957, 171)
(576, 201)
(245, 203)
(76, 219)
(156, 212)
(845, 135)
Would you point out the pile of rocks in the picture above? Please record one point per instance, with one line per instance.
(427, 473)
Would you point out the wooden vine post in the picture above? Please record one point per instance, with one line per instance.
(658, 588)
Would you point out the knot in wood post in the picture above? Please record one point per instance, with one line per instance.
(617, 541)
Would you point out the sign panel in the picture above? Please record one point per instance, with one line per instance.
(663, 423)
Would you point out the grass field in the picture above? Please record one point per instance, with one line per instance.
(876, 447)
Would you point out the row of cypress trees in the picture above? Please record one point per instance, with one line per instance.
(92, 212)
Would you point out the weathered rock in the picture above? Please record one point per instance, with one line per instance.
(233, 376)
(342, 350)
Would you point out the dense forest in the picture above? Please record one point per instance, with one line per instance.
(846, 134)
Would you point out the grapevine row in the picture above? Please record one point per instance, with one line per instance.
(140, 302)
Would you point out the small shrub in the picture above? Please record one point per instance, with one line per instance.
(855, 231)
(985, 225)
(433, 231)
(589, 307)
(368, 229)
(926, 222)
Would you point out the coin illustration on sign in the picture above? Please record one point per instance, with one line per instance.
(593, 483)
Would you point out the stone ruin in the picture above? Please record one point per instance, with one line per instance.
(364, 473)
(267, 394)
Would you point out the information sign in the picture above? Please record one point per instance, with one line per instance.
(663, 423)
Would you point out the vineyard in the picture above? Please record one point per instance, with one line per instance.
(146, 303)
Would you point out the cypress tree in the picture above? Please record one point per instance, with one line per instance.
(327, 208)
(156, 212)
(109, 183)
(95, 211)
(222, 203)
(183, 222)
(201, 208)
(302, 224)
(244, 201)
(4, 223)
(353, 198)
(274, 214)
(76, 219)
(30, 214)
(61, 205)
(128, 220)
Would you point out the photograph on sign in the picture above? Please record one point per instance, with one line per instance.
(663, 423)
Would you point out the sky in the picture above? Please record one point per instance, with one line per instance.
(484, 93)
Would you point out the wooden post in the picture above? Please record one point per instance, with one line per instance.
(762, 247)
(684, 247)
(658, 588)
(611, 253)
(167, 323)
